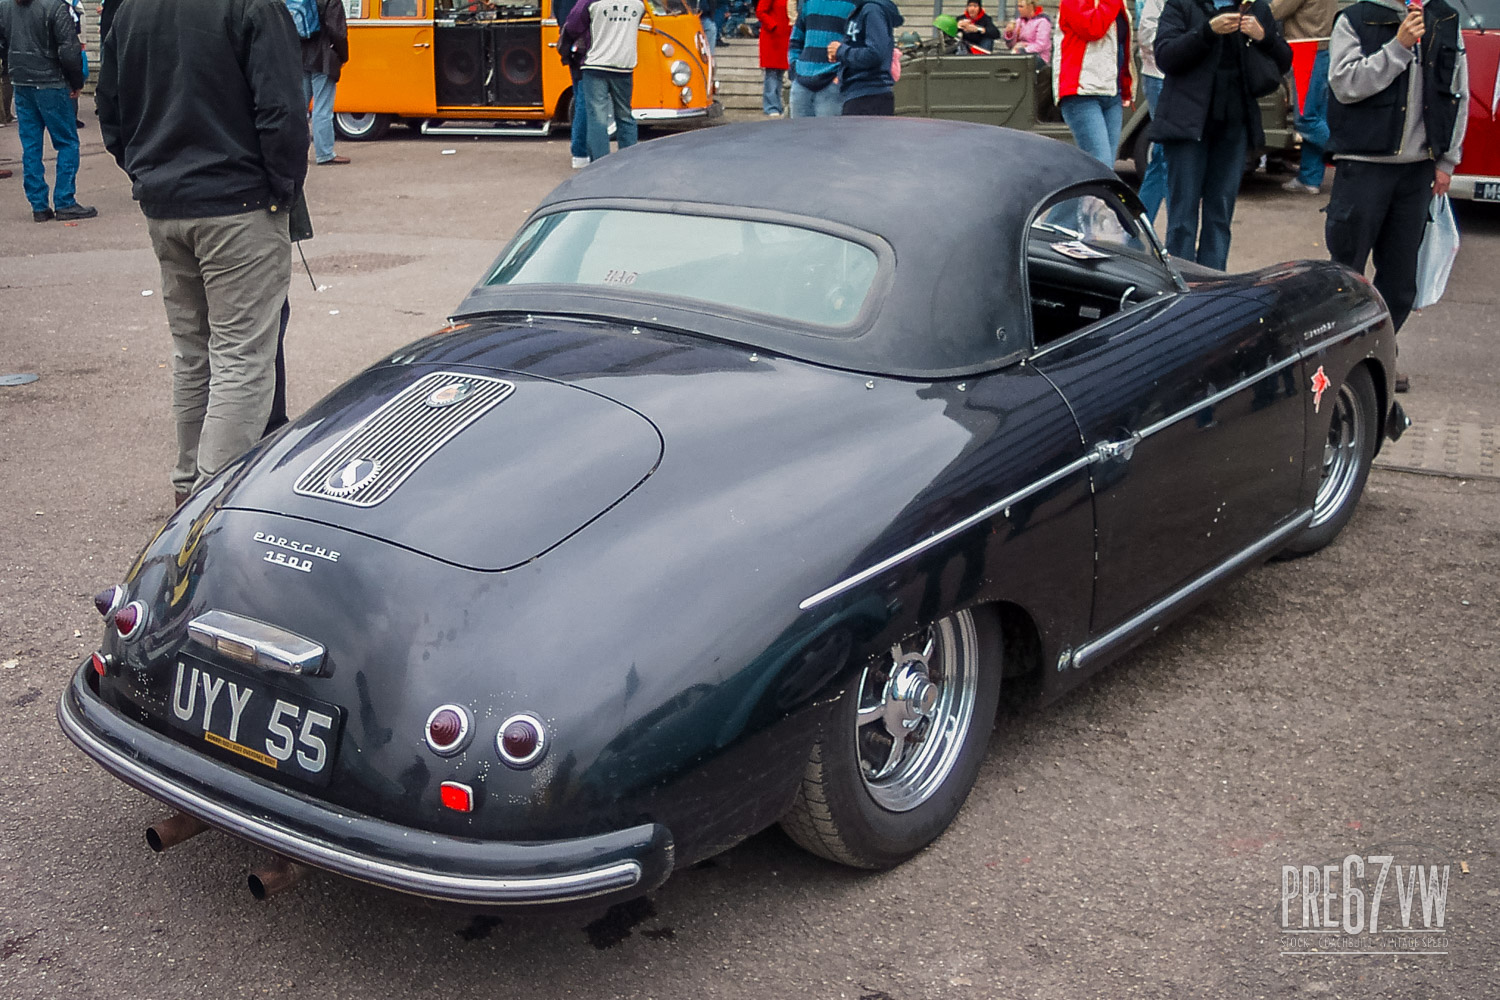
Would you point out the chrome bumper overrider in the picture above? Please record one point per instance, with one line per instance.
(633, 860)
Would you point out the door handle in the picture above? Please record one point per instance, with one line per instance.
(421, 45)
(1119, 450)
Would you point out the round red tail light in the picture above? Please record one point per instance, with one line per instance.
(107, 600)
(128, 620)
(522, 740)
(448, 730)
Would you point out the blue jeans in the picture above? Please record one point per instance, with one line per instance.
(1094, 120)
(601, 89)
(1312, 123)
(1206, 173)
(710, 30)
(1154, 184)
(824, 103)
(770, 91)
(578, 136)
(317, 88)
(49, 109)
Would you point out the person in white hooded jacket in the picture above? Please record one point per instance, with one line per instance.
(602, 34)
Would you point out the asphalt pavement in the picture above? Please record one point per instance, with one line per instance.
(1130, 841)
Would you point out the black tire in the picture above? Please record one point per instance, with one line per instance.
(848, 814)
(361, 127)
(1140, 152)
(1353, 431)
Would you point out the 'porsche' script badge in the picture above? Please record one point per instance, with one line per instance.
(352, 475)
(447, 395)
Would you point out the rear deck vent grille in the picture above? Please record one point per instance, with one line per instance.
(367, 464)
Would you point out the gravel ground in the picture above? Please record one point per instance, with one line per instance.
(1127, 841)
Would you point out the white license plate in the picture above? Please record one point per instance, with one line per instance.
(1487, 190)
(288, 733)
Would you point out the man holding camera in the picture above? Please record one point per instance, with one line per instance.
(1396, 128)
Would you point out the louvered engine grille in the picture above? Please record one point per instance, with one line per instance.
(367, 464)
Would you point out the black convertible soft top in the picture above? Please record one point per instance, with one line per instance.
(952, 304)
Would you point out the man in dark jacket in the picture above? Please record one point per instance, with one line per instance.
(41, 50)
(864, 59)
(200, 101)
(1400, 84)
(1207, 116)
(323, 56)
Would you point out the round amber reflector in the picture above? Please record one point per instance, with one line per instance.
(522, 740)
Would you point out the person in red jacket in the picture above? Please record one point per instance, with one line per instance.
(1091, 72)
(775, 41)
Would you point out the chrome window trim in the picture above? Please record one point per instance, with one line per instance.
(950, 531)
(541, 888)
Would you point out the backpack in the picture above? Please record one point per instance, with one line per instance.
(305, 17)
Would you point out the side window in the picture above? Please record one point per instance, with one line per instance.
(1088, 258)
(403, 8)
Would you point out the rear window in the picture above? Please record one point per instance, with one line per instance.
(766, 268)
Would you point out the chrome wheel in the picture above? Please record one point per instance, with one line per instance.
(1343, 456)
(915, 711)
(361, 126)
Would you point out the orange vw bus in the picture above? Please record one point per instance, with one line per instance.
(473, 67)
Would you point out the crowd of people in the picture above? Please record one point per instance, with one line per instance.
(218, 171)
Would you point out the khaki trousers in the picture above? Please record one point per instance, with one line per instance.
(223, 282)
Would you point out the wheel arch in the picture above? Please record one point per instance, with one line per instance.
(1382, 396)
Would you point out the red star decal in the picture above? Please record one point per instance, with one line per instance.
(1319, 383)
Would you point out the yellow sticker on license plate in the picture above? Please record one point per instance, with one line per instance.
(243, 751)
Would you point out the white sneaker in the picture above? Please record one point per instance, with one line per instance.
(1297, 187)
(773, 114)
(579, 162)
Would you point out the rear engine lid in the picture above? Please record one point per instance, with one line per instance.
(483, 470)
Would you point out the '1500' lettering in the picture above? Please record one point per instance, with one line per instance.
(290, 545)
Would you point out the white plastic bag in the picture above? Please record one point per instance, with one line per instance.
(1435, 256)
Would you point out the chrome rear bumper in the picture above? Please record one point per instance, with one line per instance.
(622, 864)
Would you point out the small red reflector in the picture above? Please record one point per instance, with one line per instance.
(458, 797)
(127, 618)
(101, 666)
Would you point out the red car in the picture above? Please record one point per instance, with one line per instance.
(1478, 175)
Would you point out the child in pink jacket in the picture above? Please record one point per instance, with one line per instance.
(1030, 33)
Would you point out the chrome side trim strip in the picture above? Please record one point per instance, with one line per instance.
(1269, 370)
(950, 531)
(1152, 614)
(1093, 456)
(541, 888)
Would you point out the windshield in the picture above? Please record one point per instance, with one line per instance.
(665, 8)
(758, 267)
(1478, 15)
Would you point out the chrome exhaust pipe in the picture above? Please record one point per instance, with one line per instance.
(277, 876)
(173, 830)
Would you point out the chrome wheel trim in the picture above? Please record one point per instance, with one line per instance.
(356, 123)
(1342, 454)
(915, 711)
